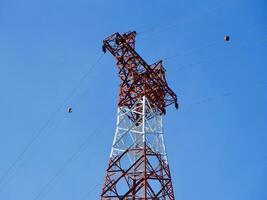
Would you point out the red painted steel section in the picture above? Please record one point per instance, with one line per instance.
(143, 180)
(137, 78)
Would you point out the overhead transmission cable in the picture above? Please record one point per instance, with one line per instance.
(184, 18)
(57, 110)
(40, 132)
(91, 190)
(53, 178)
(205, 46)
(60, 107)
(71, 158)
(82, 146)
(219, 96)
(208, 58)
(54, 128)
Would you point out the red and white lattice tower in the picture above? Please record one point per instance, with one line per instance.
(138, 166)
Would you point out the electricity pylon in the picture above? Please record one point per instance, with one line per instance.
(138, 166)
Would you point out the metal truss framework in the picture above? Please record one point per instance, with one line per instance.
(138, 167)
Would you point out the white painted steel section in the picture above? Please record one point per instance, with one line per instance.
(149, 129)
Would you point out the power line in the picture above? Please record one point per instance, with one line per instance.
(210, 99)
(192, 50)
(157, 28)
(185, 18)
(19, 166)
(53, 116)
(199, 102)
(71, 158)
(60, 107)
(82, 146)
(205, 46)
(92, 189)
(40, 132)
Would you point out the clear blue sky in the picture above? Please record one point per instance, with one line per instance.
(216, 142)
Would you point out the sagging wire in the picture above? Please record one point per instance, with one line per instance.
(41, 130)
(71, 158)
(185, 18)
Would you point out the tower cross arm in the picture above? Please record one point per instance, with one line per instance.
(146, 79)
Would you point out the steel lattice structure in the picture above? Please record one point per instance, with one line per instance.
(138, 167)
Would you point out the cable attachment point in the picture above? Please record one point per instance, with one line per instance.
(104, 48)
(176, 105)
